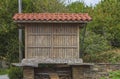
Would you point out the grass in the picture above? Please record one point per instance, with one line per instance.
(3, 71)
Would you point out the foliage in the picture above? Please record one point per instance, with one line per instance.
(113, 75)
(106, 29)
(12, 47)
(94, 44)
(103, 57)
(97, 49)
(115, 33)
(106, 21)
(102, 78)
(15, 73)
(4, 71)
(8, 30)
(76, 7)
(51, 6)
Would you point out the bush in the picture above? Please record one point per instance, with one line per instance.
(15, 73)
(3, 71)
(115, 33)
(94, 44)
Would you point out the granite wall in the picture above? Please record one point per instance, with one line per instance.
(95, 71)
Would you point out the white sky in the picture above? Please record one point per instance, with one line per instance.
(87, 2)
(91, 2)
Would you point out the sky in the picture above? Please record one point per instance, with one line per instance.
(91, 2)
(88, 2)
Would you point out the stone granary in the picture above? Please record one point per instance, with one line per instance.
(52, 44)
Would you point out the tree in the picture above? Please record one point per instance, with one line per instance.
(7, 9)
(106, 21)
(106, 31)
(9, 30)
(79, 7)
(51, 6)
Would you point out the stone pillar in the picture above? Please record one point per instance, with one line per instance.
(77, 72)
(28, 72)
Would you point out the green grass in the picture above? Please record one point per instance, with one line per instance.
(113, 75)
(3, 71)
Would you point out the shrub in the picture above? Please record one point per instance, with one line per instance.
(94, 44)
(3, 71)
(15, 73)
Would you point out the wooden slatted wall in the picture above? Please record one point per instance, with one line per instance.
(52, 41)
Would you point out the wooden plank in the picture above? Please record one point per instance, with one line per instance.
(65, 47)
(78, 40)
(26, 40)
(64, 34)
(39, 46)
(39, 34)
(52, 55)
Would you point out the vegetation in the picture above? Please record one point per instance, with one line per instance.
(102, 34)
(113, 75)
(106, 25)
(15, 73)
(4, 71)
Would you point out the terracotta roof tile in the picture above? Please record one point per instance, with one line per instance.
(52, 17)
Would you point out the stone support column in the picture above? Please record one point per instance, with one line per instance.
(28, 72)
(77, 72)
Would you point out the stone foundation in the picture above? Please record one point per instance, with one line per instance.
(94, 72)
(28, 73)
(81, 72)
(102, 70)
(77, 72)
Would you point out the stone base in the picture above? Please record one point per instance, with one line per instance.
(78, 72)
(28, 73)
(71, 72)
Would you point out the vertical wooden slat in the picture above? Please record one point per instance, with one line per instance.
(26, 40)
(78, 40)
(64, 38)
(52, 55)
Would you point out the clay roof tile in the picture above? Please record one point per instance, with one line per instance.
(52, 17)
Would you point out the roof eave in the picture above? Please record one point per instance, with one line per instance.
(34, 21)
